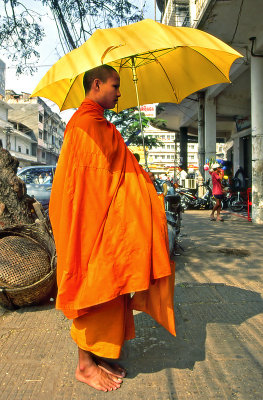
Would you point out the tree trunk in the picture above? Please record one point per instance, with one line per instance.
(15, 205)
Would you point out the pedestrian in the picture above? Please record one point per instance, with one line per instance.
(217, 175)
(137, 156)
(111, 237)
(40, 179)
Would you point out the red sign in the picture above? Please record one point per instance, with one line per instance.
(149, 110)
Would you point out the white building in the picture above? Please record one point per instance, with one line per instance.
(165, 155)
(17, 139)
(168, 155)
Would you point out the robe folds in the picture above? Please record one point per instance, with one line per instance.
(109, 225)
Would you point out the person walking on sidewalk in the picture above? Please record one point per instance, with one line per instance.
(111, 237)
(217, 175)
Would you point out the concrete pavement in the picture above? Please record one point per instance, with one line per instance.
(218, 351)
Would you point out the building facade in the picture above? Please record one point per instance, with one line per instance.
(34, 118)
(230, 113)
(16, 138)
(167, 157)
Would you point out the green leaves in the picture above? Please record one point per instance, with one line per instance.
(128, 123)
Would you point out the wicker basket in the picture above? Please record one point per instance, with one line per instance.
(12, 297)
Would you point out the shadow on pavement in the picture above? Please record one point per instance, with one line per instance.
(196, 305)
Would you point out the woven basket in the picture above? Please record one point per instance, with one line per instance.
(12, 297)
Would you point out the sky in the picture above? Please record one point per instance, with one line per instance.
(50, 51)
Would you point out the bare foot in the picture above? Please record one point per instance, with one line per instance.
(90, 373)
(110, 367)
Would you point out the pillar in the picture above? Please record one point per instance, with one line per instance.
(183, 147)
(210, 130)
(201, 135)
(236, 154)
(257, 138)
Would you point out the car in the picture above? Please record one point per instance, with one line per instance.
(38, 180)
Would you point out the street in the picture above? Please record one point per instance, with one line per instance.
(218, 351)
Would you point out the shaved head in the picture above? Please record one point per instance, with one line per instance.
(103, 72)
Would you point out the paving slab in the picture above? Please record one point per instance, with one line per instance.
(218, 351)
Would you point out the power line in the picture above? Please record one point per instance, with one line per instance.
(238, 19)
(27, 65)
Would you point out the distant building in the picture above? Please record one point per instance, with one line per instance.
(162, 157)
(36, 119)
(19, 142)
(167, 157)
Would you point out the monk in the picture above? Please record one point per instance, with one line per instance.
(111, 237)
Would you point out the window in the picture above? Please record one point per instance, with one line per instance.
(40, 118)
(172, 137)
(37, 175)
(43, 155)
(19, 149)
(168, 146)
(168, 156)
(40, 134)
(172, 146)
(27, 151)
(45, 136)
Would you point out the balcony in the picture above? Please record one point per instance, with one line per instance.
(200, 6)
(23, 157)
(176, 13)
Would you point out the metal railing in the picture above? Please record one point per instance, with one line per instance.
(176, 13)
(199, 6)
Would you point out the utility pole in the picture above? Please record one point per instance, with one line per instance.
(8, 131)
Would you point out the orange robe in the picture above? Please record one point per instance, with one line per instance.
(109, 225)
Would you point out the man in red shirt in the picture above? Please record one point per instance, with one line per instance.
(217, 175)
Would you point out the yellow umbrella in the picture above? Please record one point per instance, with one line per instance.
(171, 63)
(156, 62)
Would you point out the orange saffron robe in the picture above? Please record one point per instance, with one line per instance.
(109, 225)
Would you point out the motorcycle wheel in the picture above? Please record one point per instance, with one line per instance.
(184, 203)
(236, 204)
(213, 203)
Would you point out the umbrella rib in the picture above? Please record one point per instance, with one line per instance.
(211, 62)
(71, 83)
(158, 62)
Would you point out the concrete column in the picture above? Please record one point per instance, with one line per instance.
(201, 135)
(210, 130)
(183, 147)
(236, 153)
(257, 138)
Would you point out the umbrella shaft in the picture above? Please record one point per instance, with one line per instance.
(135, 79)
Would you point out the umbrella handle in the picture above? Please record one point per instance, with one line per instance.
(135, 79)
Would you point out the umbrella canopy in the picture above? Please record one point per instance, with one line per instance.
(167, 63)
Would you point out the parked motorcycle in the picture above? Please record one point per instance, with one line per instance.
(173, 210)
(234, 197)
(191, 200)
(237, 202)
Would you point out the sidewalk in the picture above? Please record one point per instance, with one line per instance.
(218, 351)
